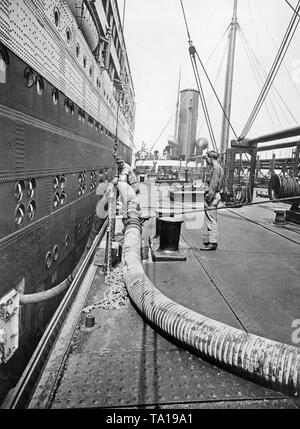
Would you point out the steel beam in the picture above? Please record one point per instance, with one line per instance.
(291, 132)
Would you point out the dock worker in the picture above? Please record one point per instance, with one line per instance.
(212, 198)
(126, 174)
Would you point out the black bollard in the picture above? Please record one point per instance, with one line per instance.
(159, 214)
(169, 233)
(280, 217)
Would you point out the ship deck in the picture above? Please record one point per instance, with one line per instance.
(250, 282)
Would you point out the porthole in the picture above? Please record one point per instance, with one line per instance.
(55, 96)
(67, 105)
(77, 50)
(91, 71)
(19, 214)
(84, 62)
(63, 181)
(63, 197)
(55, 252)
(19, 189)
(80, 178)
(56, 200)
(48, 260)
(55, 182)
(83, 189)
(56, 16)
(68, 34)
(31, 185)
(80, 191)
(31, 210)
(67, 239)
(71, 105)
(4, 61)
(39, 85)
(29, 77)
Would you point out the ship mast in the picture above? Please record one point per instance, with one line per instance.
(229, 82)
(177, 107)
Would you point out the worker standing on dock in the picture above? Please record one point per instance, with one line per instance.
(126, 174)
(212, 198)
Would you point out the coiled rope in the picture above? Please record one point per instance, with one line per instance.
(283, 187)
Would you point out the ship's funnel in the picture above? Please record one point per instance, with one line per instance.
(201, 145)
(187, 126)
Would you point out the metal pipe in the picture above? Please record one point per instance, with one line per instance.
(291, 132)
(45, 295)
(268, 362)
(278, 146)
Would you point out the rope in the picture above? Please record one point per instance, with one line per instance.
(292, 7)
(193, 52)
(116, 296)
(274, 89)
(202, 98)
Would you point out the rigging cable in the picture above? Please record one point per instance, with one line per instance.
(275, 44)
(202, 97)
(215, 83)
(260, 68)
(273, 89)
(193, 51)
(273, 72)
(292, 7)
(257, 76)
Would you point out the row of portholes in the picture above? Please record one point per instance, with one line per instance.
(31, 79)
(84, 60)
(21, 186)
(56, 14)
(59, 199)
(21, 212)
(59, 180)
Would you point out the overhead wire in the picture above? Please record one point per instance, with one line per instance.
(275, 44)
(257, 76)
(273, 90)
(215, 83)
(293, 24)
(297, 12)
(193, 52)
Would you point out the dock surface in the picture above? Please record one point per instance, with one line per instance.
(250, 282)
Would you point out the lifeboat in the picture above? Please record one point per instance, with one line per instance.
(85, 22)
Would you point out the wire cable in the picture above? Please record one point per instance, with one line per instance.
(292, 7)
(273, 72)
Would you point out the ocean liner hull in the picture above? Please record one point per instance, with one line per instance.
(58, 122)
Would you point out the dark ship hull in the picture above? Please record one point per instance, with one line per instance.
(58, 122)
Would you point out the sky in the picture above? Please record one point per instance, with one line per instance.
(157, 48)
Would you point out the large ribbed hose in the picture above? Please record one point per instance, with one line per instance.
(283, 187)
(268, 362)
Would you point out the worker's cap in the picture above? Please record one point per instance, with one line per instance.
(119, 159)
(212, 154)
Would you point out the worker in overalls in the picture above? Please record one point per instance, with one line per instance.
(126, 174)
(212, 198)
